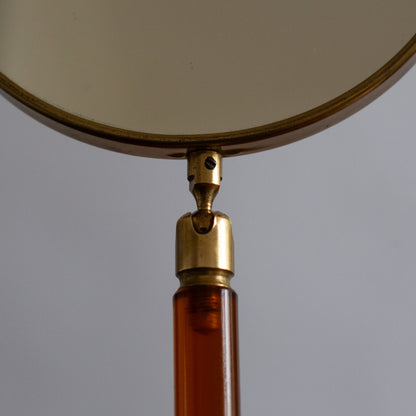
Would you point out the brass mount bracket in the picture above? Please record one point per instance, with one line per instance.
(204, 240)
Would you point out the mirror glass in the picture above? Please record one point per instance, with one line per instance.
(193, 67)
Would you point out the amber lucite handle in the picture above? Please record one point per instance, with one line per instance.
(206, 351)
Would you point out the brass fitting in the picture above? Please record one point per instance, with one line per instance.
(204, 239)
(204, 258)
(204, 176)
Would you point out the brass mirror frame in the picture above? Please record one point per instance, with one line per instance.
(228, 143)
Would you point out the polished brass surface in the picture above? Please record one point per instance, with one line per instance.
(204, 175)
(206, 277)
(204, 258)
(204, 239)
(230, 143)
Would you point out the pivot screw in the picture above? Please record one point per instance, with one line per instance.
(210, 163)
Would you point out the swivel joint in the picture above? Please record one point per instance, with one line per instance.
(204, 240)
(204, 176)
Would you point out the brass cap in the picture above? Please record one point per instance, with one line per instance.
(204, 258)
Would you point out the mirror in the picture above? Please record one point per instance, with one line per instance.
(244, 75)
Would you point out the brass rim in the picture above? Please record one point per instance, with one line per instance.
(228, 143)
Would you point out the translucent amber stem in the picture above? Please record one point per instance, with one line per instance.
(206, 352)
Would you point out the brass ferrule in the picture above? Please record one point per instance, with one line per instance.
(204, 258)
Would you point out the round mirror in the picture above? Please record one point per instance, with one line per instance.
(157, 78)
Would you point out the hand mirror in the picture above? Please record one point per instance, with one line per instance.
(165, 79)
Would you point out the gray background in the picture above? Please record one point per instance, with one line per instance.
(326, 270)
